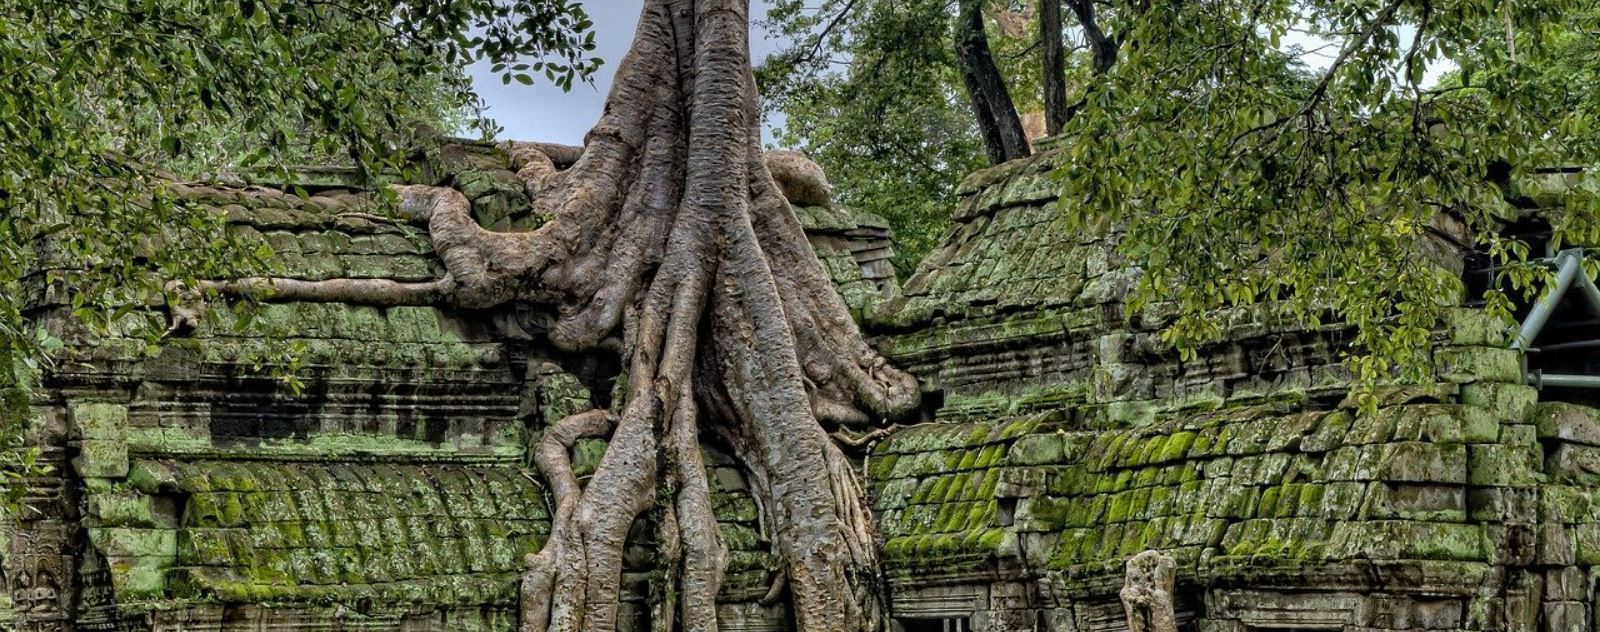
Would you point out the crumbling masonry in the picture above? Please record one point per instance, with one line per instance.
(193, 492)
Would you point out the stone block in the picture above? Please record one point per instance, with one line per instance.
(1564, 616)
(1342, 500)
(1408, 540)
(1511, 544)
(138, 578)
(1131, 413)
(1435, 503)
(152, 477)
(1586, 543)
(99, 458)
(1568, 422)
(1019, 482)
(1566, 584)
(1434, 423)
(123, 509)
(1478, 425)
(127, 542)
(1037, 449)
(1505, 402)
(1421, 462)
(1374, 427)
(1494, 465)
(1465, 365)
(1503, 504)
(1353, 463)
(1330, 433)
(1556, 545)
(1573, 464)
(98, 421)
(1475, 327)
(1518, 434)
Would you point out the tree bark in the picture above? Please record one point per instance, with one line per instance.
(1102, 47)
(997, 117)
(670, 240)
(1055, 66)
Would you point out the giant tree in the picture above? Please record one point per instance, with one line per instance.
(671, 244)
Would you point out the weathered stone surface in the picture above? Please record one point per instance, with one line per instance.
(1568, 422)
(392, 493)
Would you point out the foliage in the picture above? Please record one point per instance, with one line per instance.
(871, 89)
(892, 128)
(1241, 168)
(1235, 187)
(106, 100)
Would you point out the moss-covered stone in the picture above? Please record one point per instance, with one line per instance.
(101, 458)
(121, 509)
(1036, 449)
(1475, 327)
(1504, 402)
(99, 421)
(1465, 365)
(1504, 465)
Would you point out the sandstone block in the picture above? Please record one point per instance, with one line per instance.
(96, 420)
(1568, 422)
(1505, 402)
(1494, 465)
(1463, 365)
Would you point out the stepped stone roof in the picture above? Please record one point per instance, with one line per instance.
(193, 491)
(1070, 439)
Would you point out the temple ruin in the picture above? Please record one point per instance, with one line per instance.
(1059, 439)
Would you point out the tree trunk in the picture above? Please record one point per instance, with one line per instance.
(1003, 137)
(1102, 47)
(1055, 66)
(670, 241)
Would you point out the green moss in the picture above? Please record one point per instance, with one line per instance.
(1503, 465)
(121, 509)
(1037, 449)
(1269, 501)
(1463, 365)
(128, 542)
(1177, 446)
(101, 458)
(1475, 327)
(1503, 402)
(1310, 501)
(99, 421)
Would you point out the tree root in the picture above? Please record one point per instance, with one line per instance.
(551, 456)
(668, 233)
(865, 440)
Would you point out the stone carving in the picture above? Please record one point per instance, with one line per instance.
(1147, 593)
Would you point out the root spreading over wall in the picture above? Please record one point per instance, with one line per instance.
(671, 242)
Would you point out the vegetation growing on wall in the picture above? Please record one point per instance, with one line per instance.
(1285, 152)
(106, 98)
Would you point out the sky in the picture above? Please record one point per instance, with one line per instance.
(542, 112)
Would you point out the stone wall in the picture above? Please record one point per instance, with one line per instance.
(1071, 439)
(194, 490)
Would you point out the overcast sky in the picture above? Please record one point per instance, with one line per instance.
(542, 112)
